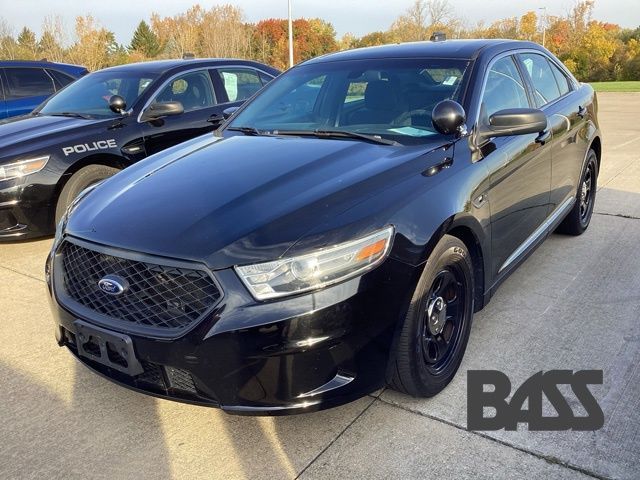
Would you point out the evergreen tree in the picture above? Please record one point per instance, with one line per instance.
(145, 41)
(27, 44)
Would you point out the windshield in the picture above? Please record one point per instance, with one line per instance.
(90, 95)
(389, 99)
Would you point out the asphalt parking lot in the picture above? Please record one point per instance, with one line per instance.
(574, 304)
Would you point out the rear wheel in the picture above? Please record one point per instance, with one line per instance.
(578, 219)
(431, 343)
(83, 178)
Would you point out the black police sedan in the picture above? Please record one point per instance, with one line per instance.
(105, 122)
(337, 235)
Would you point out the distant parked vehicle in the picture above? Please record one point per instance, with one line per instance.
(24, 84)
(105, 122)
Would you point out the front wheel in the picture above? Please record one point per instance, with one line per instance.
(430, 345)
(83, 178)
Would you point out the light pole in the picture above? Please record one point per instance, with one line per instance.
(544, 24)
(290, 38)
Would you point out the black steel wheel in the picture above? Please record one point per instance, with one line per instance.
(587, 193)
(443, 317)
(578, 219)
(431, 342)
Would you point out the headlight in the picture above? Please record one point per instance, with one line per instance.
(316, 270)
(23, 167)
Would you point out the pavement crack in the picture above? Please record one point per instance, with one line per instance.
(21, 273)
(620, 215)
(547, 458)
(373, 400)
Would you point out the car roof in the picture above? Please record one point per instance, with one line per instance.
(458, 49)
(39, 63)
(162, 66)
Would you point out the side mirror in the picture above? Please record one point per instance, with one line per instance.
(117, 104)
(514, 121)
(448, 117)
(156, 111)
(227, 112)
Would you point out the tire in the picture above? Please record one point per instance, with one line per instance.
(578, 219)
(83, 178)
(414, 367)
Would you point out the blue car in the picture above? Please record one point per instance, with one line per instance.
(25, 84)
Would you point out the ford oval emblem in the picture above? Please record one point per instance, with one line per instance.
(113, 285)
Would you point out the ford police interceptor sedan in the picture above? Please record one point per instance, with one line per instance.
(105, 122)
(336, 235)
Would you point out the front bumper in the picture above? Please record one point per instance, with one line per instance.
(25, 209)
(293, 355)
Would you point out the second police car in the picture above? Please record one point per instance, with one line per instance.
(103, 123)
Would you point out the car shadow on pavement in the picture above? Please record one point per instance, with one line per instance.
(52, 431)
(158, 438)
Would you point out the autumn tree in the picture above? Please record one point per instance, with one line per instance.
(413, 25)
(179, 34)
(94, 46)
(528, 27)
(223, 33)
(374, 38)
(311, 37)
(423, 18)
(51, 43)
(8, 44)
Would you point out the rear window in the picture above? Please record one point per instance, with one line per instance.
(542, 78)
(61, 79)
(27, 82)
(561, 78)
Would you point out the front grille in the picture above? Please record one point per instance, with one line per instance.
(164, 298)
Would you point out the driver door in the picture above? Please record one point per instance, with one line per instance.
(194, 90)
(520, 169)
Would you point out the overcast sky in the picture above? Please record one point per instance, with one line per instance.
(354, 16)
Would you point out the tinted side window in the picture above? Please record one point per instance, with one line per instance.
(504, 87)
(28, 82)
(265, 78)
(61, 79)
(194, 90)
(561, 78)
(544, 82)
(240, 83)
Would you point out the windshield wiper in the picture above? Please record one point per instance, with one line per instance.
(337, 134)
(246, 130)
(70, 114)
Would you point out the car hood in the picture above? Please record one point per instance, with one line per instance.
(239, 200)
(28, 133)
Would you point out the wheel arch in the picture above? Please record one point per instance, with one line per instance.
(108, 160)
(469, 231)
(596, 146)
(467, 236)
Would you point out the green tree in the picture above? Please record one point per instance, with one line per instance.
(27, 44)
(145, 41)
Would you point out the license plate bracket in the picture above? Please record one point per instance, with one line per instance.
(111, 349)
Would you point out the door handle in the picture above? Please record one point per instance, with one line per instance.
(582, 111)
(544, 137)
